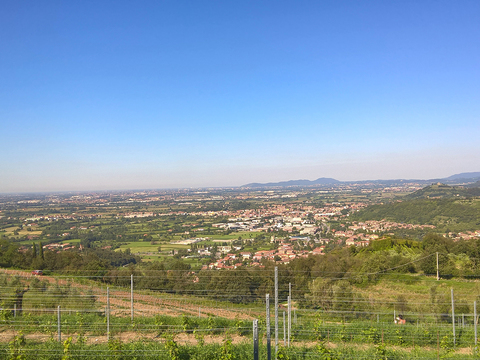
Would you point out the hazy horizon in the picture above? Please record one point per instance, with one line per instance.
(157, 95)
(213, 187)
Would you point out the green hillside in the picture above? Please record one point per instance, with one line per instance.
(442, 191)
(446, 214)
(474, 185)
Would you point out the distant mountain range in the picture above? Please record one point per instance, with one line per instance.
(462, 178)
(319, 181)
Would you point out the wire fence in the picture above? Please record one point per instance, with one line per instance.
(74, 317)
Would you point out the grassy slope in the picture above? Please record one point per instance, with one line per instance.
(456, 215)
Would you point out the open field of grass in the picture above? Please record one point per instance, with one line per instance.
(29, 242)
(146, 247)
(72, 241)
(9, 232)
(236, 235)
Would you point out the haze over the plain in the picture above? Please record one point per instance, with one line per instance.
(117, 95)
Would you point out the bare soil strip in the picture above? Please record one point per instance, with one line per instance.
(144, 305)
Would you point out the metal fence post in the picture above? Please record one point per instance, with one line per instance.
(255, 339)
(289, 319)
(475, 322)
(276, 310)
(59, 328)
(267, 310)
(453, 318)
(131, 295)
(107, 310)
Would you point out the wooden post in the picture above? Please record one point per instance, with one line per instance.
(438, 274)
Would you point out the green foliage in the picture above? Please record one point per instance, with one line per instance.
(200, 337)
(16, 351)
(227, 348)
(67, 349)
(442, 191)
(381, 352)
(149, 350)
(189, 323)
(5, 315)
(172, 348)
(81, 328)
(159, 325)
(453, 214)
(446, 344)
(115, 348)
(324, 352)
(282, 354)
(372, 335)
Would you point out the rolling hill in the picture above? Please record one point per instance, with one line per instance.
(462, 178)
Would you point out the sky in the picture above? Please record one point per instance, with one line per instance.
(106, 95)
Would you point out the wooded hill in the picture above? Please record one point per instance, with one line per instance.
(446, 214)
(442, 191)
(449, 208)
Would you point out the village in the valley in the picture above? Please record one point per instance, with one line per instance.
(217, 228)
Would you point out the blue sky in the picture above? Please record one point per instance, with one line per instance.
(98, 95)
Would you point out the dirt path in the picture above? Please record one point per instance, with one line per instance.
(128, 336)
